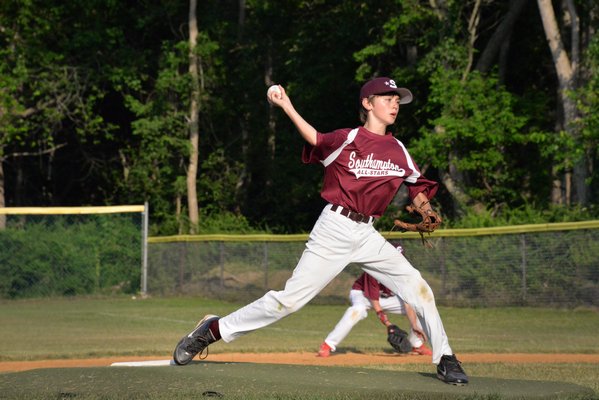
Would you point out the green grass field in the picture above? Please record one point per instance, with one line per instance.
(91, 327)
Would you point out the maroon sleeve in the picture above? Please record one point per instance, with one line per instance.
(359, 283)
(422, 185)
(314, 154)
(385, 290)
(371, 288)
(309, 155)
(326, 143)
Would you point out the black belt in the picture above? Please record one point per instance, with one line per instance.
(354, 216)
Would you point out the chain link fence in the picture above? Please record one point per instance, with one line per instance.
(69, 251)
(554, 265)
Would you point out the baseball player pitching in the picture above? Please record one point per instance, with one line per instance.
(363, 169)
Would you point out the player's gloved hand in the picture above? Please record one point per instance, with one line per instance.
(398, 339)
(383, 317)
(430, 220)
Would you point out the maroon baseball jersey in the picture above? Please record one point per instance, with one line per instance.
(363, 170)
(371, 288)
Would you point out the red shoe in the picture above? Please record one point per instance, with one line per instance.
(422, 350)
(325, 350)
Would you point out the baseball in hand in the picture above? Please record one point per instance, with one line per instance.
(272, 91)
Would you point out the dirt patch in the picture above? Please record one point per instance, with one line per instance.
(342, 359)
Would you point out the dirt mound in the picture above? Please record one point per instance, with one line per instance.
(344, 359)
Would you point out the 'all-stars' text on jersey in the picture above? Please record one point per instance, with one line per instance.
(363, 170)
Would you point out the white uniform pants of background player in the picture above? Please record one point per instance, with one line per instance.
(336, 241)
(359, 310)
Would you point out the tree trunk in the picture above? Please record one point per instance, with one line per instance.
(240, 20)
(439, 8)
(192, 170)
(473, 35)
(453, 178)
(460, 199)
(566, 70)
(558, 195)
(500, 36)
(271, 139)
(504, 59)
(2, 198)
(178, 212)
(580, 171)
(244, 178)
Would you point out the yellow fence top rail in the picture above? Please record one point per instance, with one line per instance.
(230, 238)
(499, 230)
(70, 210)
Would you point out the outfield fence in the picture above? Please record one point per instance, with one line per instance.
(105, 250)
(67, 251)
(553, 265)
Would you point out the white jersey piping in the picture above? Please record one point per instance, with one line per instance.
(350, 138)
(415, 174)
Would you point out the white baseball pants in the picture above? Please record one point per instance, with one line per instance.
(336, 241)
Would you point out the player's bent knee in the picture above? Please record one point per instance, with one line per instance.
(358, 313)
(276, 304)
(424, 291)
(418, 294)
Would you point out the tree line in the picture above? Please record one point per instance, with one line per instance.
(113, 102)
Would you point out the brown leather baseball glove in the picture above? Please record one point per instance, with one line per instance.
(430, 220)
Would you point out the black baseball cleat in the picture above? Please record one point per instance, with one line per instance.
(449, 370)
(195, 342)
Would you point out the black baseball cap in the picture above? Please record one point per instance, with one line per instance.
(384, 85)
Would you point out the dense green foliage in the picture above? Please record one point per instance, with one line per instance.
(66, 256)
(94, 104)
